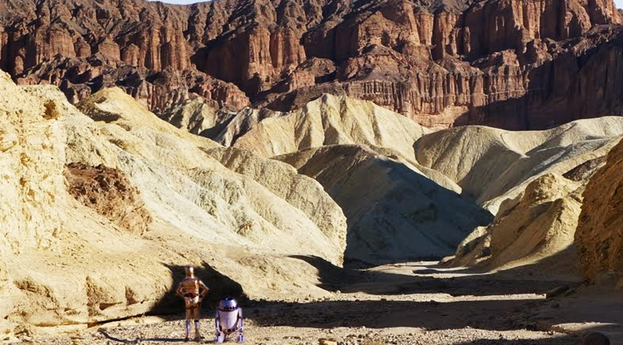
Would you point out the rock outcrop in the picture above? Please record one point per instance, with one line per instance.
(536, 228)
(598, 236)
(517, 64)
(109, 193)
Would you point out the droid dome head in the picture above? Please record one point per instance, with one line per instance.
(189, 271)
(228, 304)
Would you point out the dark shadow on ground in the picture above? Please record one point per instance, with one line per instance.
(347, 280)
(378, 314)
(220, 286)
(568, 339)
(481, 302)
(484, 302)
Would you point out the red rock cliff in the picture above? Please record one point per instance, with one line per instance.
(514, 64)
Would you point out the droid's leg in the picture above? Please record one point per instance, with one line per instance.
(219, 336)
(193, 315)
(197, 334)
(240, 337)
(187, 330)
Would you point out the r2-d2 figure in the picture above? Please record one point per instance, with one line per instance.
(228, 320)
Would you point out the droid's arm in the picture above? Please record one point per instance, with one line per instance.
(203, 289)
(217, 322)
(180, 290)
(241, 320)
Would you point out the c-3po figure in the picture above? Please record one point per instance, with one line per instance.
(192, 289)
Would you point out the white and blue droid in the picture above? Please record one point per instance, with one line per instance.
(228, 321)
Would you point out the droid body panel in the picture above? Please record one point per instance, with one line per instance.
(193, 290)
(229, 321)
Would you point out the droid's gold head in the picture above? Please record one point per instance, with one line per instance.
(190, 271)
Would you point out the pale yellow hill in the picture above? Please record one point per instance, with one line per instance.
(488, 163)
(70, 260)
(394, 214)
(536, 229)
(518, 175)
(333, 120)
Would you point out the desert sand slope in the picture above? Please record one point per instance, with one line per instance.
(394, 214)
(229, 129)
(69, 260)
(284, 181)
(333, 120)
(536, 228)
(488, 162)
(195, 116)
(221, 125)
(598, 236)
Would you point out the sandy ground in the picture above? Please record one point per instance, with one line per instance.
(410, 303)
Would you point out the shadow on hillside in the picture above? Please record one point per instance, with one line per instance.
(393, 213)
(220, 286)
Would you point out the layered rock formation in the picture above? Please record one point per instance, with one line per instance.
(514, 64)
(599, 229)
(101, 212)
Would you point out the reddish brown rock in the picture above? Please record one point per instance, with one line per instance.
(515, 64)
(108, 192)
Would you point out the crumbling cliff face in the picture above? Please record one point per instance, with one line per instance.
(598, 236)
(516, 64)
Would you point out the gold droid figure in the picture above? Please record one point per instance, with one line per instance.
(192, 289)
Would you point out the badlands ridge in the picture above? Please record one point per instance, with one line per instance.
(104, 202)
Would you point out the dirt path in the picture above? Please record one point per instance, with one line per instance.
(414, 303)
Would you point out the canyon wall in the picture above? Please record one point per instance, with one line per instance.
(515, 64)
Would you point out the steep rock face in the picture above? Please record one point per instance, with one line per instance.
(598, 235)
(83, 46)
(514, 64)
